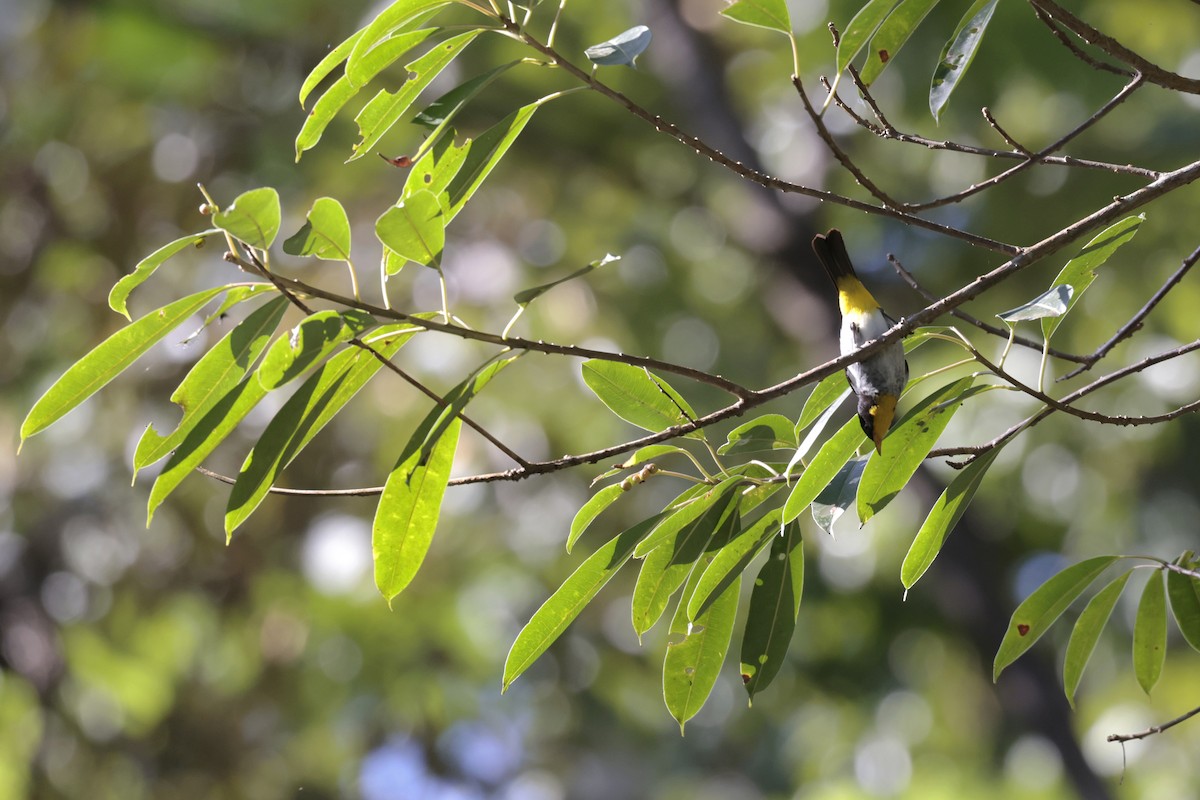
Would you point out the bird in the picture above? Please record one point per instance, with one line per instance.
(877, 380)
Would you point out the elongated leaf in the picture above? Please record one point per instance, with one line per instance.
(769, 14)
(1184, 592)
(732, 559)
(634, 395)
(667, 567)
(1051, 303)
(253, 219)
(942, 518)
(326, 66)
(691, 666)
(395, 20)
(437, 115)
(562, 607)
(826, 394)
(908, 444)
(309, 343)
(1087, 632)
(768, 432)
(958, 54)
(436, 169)
(408, 512)
(211, 429)
(861, 28)
(1046, 604)
(774, 608)
(892, 35)
(839, 495)
(212, 377)
(303, 416)
(415, 229)
(824, 467)
(109, 359)
(119, 296)
(484, 154)
(622, 50)
(591, 509)
(387, 109)
(814, 433)
(325, 234)
(679, 516)
(527, 296)
(1081, 270)
(1150, 633)
(238, 295)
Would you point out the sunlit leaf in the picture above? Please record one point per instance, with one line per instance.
(415, 229)
(1046, 604)
(733, 557)
(958, 54)
(212, 377)
(311, 341)
(768, 432)
(109, 359)
(396, 19)
(691, 666)
(1051, 303)
(907, 445)
(1184, 592)
(590, 510)
(774, 608)
(1150, 633)
(1087, 632)
(685, 510)
(839, 495)
(1081, 270)
(549, 621)
(325, 233)
(304, 415)
(440, 112)
(942, 518)
(621, 50)
(119, 295)
(253, 218)
(327, 65)
(636, 395)
(769, 14)
(892, 35)
(814, 432)
(861, 28)
(436, 169)
(823, 468)
(484, 154)
(826, 394)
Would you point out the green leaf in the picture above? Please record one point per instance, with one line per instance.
(309, 343)
(203, 438)
(774, 609)
(325, 234)
(1081, 270)
(636, 395)
(119, 295)
(1184, 592)
(892, 35)
(303, 416)
(732, 559)
(828, 392)
(398, 18)
(685, 510)
(768, 432)
(861, 28)
(415, 229)
(824, 468)
(958, 54)
(484, 154)
(109, 359)
(212, 377)
(942, 518)
(253, 219)
(437, 115)
(562, 607)
(1047, 603)
(814, 433)
(591, 509)
(408, 512)
(668, 565)
(1087, 632)
(691, 666)
(1050, 303)
(835, 498)
(326, 66)
(527, 296)
(1150, 633)
(387, 109)
(769, 14)
(907, 445)
(622, 50)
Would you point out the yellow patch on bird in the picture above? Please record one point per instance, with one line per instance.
(853, 297)
(884, 412)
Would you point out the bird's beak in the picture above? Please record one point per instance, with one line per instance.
(884, 413)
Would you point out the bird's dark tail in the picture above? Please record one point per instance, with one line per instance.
(831, 251)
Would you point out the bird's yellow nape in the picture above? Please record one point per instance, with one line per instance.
(883, 412)
(853, 297)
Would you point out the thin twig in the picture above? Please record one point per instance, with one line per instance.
(1153, 729)
(1078, 51)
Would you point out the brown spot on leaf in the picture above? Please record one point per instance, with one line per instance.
(884, 56)
(1022, 629)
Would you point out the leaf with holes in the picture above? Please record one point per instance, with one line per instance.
(958, 54)
(415, 229)
(774, 609)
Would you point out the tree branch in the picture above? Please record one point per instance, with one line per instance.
(1153, 729)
